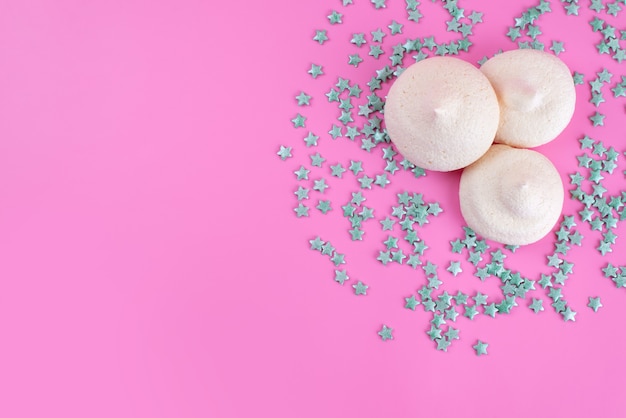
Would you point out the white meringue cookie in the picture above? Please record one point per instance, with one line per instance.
(442, 113)
(536, 94)
(512, 196)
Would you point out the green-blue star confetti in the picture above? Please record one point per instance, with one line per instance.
(359, 121)
(284, 152)
(386, 333)
(594, 303)
(480, 348)
(360, 288)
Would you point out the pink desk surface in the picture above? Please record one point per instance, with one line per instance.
(151, 264)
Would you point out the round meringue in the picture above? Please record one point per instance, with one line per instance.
(442, 113)
(512, 196)
(536, 94)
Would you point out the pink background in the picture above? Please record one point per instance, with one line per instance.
(150, 261)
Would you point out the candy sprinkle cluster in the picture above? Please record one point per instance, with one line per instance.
(375, 56)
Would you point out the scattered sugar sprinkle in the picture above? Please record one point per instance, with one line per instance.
(481, 348)
(386, 333)
(359, 108)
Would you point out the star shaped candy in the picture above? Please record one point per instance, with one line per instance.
(320, 36)
(491, 310)
(301, 210)
(315, 71)
(536, 305)
(480, 299)
(470, 312)
(569, 315)
(341, 276)
(298, 121)
(557, 47)
(480, 348)
(411, 302)
(597, 119)
(443, 344)
(334, 18)
(395, 27)
(358, 39)
(360, 288)
(454, 268)
(594, 303)
(284, 152)
(386, 333)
